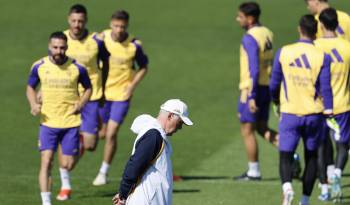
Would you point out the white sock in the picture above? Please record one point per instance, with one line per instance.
(337, 172)
(287, 187)
(46, 198)
(330, 171)
(104, 168)
(65, 179)
(253, 169)
(324, 188)
(304, 199)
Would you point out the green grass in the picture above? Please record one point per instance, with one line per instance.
(193, 49)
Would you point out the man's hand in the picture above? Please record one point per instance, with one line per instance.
(128, 91)
(118, 201)
(35, 109)
(252, 106)
(335, 128)
(77, 108)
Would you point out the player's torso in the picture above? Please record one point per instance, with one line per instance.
(343, 29)
(121, 66)
(85, 52)
(59, 93)
(301, 65)
(339, 50)
(264, 37)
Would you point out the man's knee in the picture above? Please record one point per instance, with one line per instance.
(68, 163)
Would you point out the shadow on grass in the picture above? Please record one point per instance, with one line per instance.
(185, 178)
(184, 191)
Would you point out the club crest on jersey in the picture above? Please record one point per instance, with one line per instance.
(301, 62)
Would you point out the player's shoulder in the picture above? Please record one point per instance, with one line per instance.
(135, 40)
(343, 15)
(39, 63)
(103, 34)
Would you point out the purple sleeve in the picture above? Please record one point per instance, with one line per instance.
(103, 54)
(140, 57)
(34, 79)
(83, 76)
(325, 83)
(252, 48)
(276, 78)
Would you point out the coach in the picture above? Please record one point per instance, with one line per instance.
(148, 177)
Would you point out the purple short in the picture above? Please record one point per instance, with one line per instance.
(114, 110)
(262, 102)
(343, 120)
(89, 116)
(49, 138)
(293, 127)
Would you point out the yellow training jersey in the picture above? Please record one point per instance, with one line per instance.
(59, 88)
(86, 52)
(122, 57)
(256, 57)
(343, 29)
(339, 50)
(300, 65)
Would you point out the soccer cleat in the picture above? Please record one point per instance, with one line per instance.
(64, 194)
(324, 197)
(288, 197)
(177, 178)
(101, 179)
(246, 177)
(336, 189)
(296, 167)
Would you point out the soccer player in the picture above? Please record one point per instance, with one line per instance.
(124, 51)
(339, 50)
(317, 6)
(300, 76)
(253, 107)
(59, 76)
(86, 49)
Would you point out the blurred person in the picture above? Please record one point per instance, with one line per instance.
(147, 177)
(60, 107)
(300, 76)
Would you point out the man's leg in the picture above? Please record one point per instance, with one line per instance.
(310, 175)
(68, 155)
(45, 176)
(89, 125)
(118, 112)
(251, 146)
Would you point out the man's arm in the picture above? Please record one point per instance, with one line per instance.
(325, 85)
(146, 149)
(86, 83)
(32, 83)
(276, 78)
(252, 49)
(142, 61)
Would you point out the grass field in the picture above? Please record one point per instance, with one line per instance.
(193, 49)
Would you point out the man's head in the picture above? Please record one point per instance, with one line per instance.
(308, 26)
(248, 14)
(329, 19)
(119, 23)
(77, 19)
(314, 6)
(58, 46)
(173, 113)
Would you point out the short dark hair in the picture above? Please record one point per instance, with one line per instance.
(308, 25)
(251, 9)
(78, 8)
(58, 35)
(121, 15)
(329, 19)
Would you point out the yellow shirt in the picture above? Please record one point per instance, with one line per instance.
(122, 57)
(343, 29)
(86, 52)
(339, 50)
(256, 57)
(299, 66)
(59, 88)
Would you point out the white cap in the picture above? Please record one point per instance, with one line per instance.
(177, 107)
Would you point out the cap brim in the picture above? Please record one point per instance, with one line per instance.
(186, 120)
